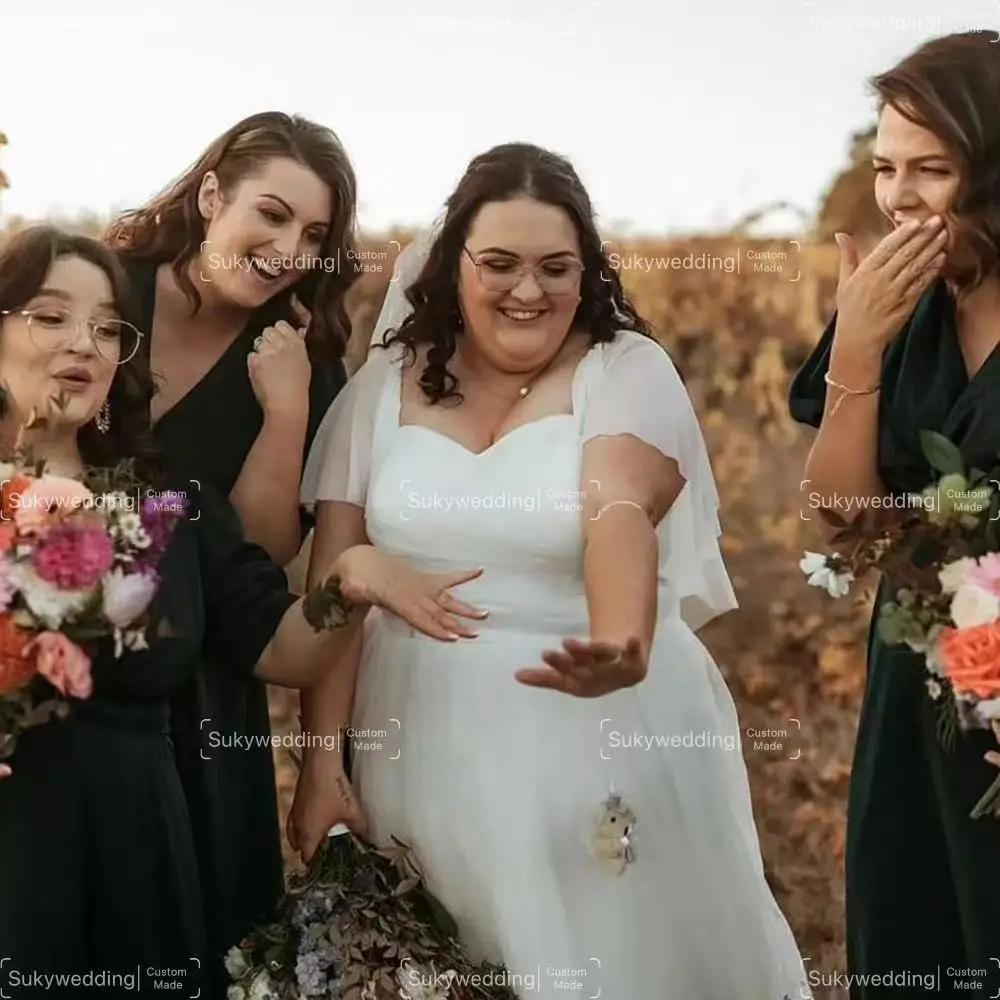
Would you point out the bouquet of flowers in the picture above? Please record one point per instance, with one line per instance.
(941, 551)
(360, 925)
(78, 563)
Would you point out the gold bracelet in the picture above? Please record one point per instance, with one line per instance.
(617, 503)
(846, 391)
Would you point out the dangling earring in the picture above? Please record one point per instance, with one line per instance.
(103, 418)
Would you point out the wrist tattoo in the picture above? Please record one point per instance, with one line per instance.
(344, 787)
(325, 608)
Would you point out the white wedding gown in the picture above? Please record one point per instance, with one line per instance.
(494, 784)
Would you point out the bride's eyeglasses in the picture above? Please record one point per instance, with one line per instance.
(53, 329)
(503, 273)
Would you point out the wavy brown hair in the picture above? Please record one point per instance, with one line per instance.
(25, 260)
(170, 227)
(501, 174)
(951, 87)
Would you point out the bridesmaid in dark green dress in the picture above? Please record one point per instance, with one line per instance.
(267, 213)
(99, 882)
(914, 345)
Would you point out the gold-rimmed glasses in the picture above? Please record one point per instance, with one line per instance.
(503, 272)
(54, 328)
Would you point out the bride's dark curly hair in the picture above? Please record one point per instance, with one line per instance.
(25, 260)
(503, 173)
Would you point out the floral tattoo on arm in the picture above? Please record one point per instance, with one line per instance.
(325, 608)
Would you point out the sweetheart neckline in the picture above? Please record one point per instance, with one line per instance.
(499, 441)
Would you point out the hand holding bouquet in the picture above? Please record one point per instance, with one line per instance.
(75, 567)
(941, 551)
(360, 925)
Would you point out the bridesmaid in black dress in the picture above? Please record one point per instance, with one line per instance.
(224, 262)
(98, 872)
(914, 345)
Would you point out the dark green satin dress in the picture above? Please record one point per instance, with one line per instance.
(923, 879)
(98, 870)
(220, 724)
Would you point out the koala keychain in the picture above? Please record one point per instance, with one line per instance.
(611, 839)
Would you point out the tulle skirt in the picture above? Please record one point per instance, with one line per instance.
(497, 787)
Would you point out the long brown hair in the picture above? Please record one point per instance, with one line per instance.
(25, 260)
(501, 174)
(951, 87)
(170, 227)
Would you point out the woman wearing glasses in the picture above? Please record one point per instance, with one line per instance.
(98, 877)
(521, 420)
(223, 262)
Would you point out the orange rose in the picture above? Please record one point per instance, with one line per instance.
(16, 667)
(10, 495)
(971, 659)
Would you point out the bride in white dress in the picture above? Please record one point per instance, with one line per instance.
(574, 474)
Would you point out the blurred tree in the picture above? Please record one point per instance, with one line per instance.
(849, 204)
(4, 183)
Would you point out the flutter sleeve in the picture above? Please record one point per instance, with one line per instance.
(640, 392)
(245, 591)
(807, 394)
(339, 463)
(327, 381)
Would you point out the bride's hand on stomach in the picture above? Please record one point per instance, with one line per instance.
(323, 798)
(369, 576)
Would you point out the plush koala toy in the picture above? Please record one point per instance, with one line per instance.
(611, 838)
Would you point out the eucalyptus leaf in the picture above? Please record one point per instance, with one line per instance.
(942, 453)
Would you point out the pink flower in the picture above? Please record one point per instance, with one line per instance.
(74, 558)
(57, 491)
(49, 496)
(986, 575)
(126, 596)
(62, 663)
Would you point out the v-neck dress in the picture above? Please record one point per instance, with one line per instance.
(220, 725)
(923, 879)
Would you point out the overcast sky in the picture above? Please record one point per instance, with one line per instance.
(679, 117)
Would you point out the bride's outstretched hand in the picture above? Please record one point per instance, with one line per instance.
(588, 669)
(422, 599)
(5, 771)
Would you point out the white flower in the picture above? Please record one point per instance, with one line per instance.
(50, 605)
(816, 567)
(954, 574)
(127, 595)
(236, 963)
(933, 688)
(263, 988)
(972, 606)
(986, 711)
(236, 993)
(131, 530)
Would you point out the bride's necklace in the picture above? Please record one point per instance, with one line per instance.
(525, 389)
